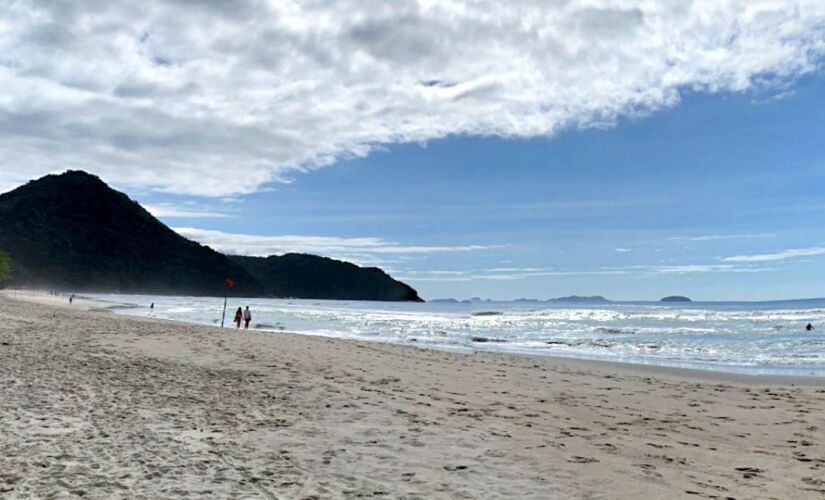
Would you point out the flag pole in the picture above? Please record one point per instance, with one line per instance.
(227, 283)
(225, 296)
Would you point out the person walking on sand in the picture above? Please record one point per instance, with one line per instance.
(238, 317)
(247, 317)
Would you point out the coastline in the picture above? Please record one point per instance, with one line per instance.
(111, 404)
(60, 300)
(689, 372)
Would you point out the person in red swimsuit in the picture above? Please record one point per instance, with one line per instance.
(238, 317)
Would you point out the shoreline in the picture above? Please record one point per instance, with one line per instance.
(110, 403)
(60, 299)
(661, 370)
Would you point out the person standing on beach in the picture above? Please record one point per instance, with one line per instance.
(238, 317)
(71, 299)
(247, 317)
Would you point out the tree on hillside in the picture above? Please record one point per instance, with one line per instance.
(5, 269)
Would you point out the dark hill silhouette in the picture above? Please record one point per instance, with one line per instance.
(313, 277)
(580, 298)
(73, 232)
(675, 298)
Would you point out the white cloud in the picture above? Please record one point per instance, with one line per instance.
(718, 237)
(510, 274)
(174, 211)
(622, 250)
(220, 97)
(693, 269)
(355, 249)
(792, 253)
(501, 274)
(702, 269)
(518, 269)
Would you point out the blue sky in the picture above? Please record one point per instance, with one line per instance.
(648, 207)
(629, 148)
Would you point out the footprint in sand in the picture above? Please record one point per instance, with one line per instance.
(454, 468)
(750, 472)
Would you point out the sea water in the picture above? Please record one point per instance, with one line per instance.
(748, 337)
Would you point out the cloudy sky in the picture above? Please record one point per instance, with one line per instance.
(631, 148)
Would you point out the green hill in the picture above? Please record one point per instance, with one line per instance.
(310, 276)
(73, 232)
(5, 269)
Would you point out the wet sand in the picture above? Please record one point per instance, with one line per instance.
(108, 406)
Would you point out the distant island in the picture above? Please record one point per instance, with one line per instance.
(73, 232)
(569, 298)
(580, 298)
(675, 298)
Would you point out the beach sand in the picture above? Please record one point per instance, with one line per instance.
(60, 300)
(108, 406)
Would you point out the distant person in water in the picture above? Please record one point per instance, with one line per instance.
(238, 317)
(71, 299)
(809, 327)
(247, 317)
(152, 306)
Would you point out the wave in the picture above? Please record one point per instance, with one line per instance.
(723, 335)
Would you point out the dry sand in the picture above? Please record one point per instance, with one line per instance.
(106, 406)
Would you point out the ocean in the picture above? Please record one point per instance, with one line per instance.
(744, 337)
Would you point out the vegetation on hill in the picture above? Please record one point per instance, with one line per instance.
(5, 269)
(73, 232)
(314, 277)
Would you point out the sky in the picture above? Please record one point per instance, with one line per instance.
(632, 149)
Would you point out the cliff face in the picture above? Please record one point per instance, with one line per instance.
(73, 232)
(313, 277)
